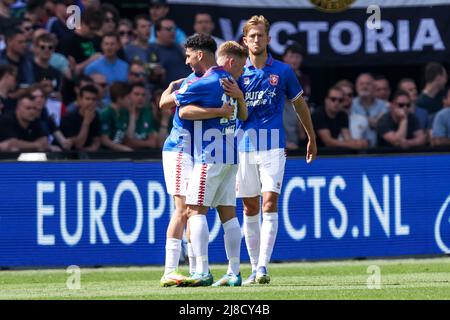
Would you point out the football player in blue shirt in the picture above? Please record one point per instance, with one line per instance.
(177, 153)
(266, 83)
(213, 178)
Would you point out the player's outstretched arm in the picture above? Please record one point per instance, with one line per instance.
(195, 112)
(167, 99)
(302, 109)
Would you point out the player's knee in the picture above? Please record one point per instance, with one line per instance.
(251, 207)
(270, 206)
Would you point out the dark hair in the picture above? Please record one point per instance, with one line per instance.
(334, 88)
(32, 5)
(446, 91)
(403, 80)
(46, 37)
(136, 84)
(81, 78)
(201, 42)
(25, 95)
(141, 16)
(7, 69)
(158, 24)
(12, 33)
(105, 8)
(294, 48)
(92, 18)
(400, 93)
(432, 70)
(119, 90)
(112, 35)
(88, 88)
(379, 77)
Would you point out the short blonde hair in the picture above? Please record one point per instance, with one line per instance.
(254, 21)
(232, 48)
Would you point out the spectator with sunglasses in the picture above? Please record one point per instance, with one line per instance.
(125, 32)
(399, 127)
(43, 48)
(331, 123)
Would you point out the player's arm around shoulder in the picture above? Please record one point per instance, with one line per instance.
(167, 98)
(305, 118)
(196, 112)
(233, 90)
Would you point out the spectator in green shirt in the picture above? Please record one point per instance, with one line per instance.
(114, 118)
(142, 131)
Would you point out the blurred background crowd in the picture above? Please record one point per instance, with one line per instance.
(97, 87)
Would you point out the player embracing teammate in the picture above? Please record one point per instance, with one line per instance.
(259, 138)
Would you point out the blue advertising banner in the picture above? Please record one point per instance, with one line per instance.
(116, 213)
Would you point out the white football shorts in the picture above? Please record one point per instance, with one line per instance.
(177, 171)
(212, 185)
(260, 171)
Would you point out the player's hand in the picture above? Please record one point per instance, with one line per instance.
(175, 85)
(226, 111)
(232, 89)
(311, 151)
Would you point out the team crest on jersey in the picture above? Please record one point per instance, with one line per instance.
(273, 79)
(246, 81)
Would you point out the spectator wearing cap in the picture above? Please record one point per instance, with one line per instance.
(21, 130)
(399, 127)
(170, 55)
(435, 80)
(115, 118)
(8, 74)
(409, 85)
(58, 24)
(43, 48)
(83, 125)
(203, 24)
(81, 48)
(440, 134)
(331, 123)
(160, 9)
(16, 55)
(368, 106)
(109, 64)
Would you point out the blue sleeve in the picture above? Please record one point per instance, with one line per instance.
(293, 88)
(180, 36)
(191, 93)
(439, 129)
(89, 68)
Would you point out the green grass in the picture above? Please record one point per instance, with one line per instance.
(400, 279)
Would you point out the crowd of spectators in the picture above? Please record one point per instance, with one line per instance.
(97, 86)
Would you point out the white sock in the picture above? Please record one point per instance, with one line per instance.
(173, 251)
(232, 238)
(269, 231)
(199, 241)
(191, 258)
(252, 238)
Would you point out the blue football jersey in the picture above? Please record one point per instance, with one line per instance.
(214, 140)
(180, 136)
(265, 90)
